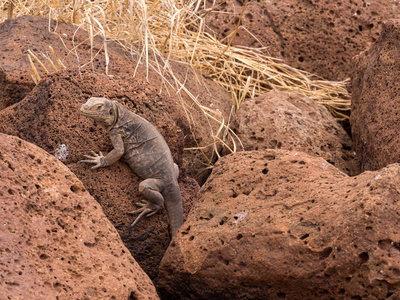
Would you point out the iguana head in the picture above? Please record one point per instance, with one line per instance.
(101, 110)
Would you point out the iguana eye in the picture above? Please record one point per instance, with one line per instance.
(98, 107)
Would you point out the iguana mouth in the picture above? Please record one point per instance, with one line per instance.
(91, 114)
(85, 110)
(88, 114)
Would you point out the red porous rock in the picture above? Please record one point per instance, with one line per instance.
(320, 37)
(281, 120)
(278, 224)
(49, 117)
(55, 241)
(72, 46)
(375, 121)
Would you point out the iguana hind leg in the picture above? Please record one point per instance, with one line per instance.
(154, 202)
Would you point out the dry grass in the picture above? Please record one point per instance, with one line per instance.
(176, 30)
(158, 31)
(56, 64)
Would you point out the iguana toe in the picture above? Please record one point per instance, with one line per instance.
(143, 203)
(148, 209)
(140, 210)
(144, 211)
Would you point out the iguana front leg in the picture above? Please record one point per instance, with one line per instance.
(103, 161)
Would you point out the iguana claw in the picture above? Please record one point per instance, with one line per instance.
(145, 210)
(94, 159)
(143, 203)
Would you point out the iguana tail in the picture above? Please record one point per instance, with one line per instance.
(173, 206)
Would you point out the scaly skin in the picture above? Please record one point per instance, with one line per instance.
(146, 152)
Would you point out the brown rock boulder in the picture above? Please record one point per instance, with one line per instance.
(374, 104)
(280, 224)
(19, 35)
(280, 120)
(320, 37)
(55, 241)
(36, 33)
(49, 117)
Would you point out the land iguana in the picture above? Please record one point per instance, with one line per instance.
(146, 152)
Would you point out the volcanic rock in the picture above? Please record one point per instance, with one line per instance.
(70, 44)
(280, 224)
(281, 120)
(375, 111)
(55, 241)
(320, 37)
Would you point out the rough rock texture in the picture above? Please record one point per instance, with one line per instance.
(19, 35)
(55, 241)
(25, 33)
(49, 117)
(280, 120)
(280, 224)
(375, 101)
(317, 36)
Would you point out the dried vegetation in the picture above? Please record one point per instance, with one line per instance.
(159, 31)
